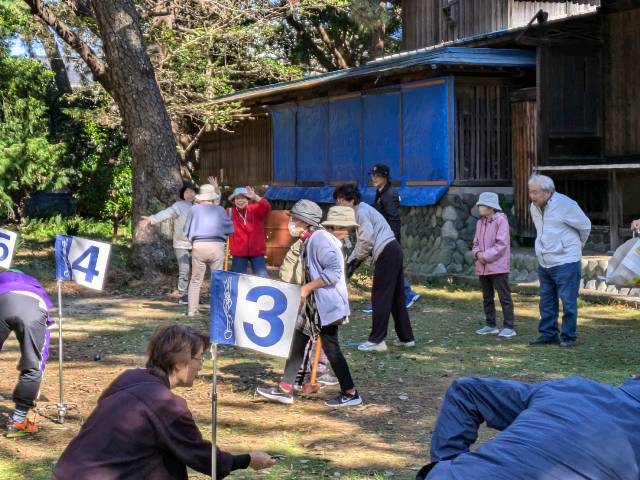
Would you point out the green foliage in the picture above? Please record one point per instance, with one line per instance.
(29, 158)
(102, 173)
(37, 229)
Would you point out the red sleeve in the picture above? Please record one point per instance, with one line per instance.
(261, 208)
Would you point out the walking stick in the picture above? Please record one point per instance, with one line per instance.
(226, 255)
(312, 386)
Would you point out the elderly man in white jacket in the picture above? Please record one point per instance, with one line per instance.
(562, 230)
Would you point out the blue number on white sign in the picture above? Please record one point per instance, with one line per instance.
(4, 249)
(271, 316)
(90, 270)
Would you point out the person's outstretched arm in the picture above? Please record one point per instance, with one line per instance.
(467, 404)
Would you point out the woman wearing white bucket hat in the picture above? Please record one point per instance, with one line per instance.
(207, 227)
(325, 303)
(492, 252)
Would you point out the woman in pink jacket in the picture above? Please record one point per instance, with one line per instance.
(492, 252)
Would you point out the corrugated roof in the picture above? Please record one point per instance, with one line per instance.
(487, 57)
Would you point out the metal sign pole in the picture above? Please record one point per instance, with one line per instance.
(62, 410)
(214, 411)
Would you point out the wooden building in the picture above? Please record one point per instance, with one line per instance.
(431, 22)
(512, 93)
(438, 118)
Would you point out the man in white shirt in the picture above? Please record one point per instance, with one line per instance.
(562, 229)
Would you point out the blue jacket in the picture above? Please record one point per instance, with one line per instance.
(207, 223)
(558, 430)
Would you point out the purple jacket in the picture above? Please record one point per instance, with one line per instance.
(493, 241)
(139, 429)
(18, 281)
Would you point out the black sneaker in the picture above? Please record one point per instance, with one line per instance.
(184, 300)
(568, 343)
(544, 340)
(344, 400)
(276, 395)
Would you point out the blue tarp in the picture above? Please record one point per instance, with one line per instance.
(381, 131)
(284, 143)
(311, 143)
(317, 194)
(344, 140)
(567, 429)
(338, 140)
(427, 131)
(409, 196)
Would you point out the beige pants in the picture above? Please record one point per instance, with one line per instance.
(204, 254)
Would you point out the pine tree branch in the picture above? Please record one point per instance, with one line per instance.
(98, 68)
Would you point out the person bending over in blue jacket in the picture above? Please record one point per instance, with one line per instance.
(565, 429)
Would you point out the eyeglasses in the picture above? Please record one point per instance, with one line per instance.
(200, 359)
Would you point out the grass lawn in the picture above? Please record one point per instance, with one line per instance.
(402, 389)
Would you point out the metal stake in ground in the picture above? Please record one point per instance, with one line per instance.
(214, 411)
(62, 409)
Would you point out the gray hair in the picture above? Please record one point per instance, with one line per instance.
(544, 182)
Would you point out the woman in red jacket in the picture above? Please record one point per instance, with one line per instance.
(247, 242)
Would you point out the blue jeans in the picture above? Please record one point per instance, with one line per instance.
(561, 282)
(258, 265)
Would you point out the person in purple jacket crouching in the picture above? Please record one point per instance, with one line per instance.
(24, 310)
(141, 429)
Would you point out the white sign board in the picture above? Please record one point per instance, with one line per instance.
(253, 312)
(82, 261)
(7, 246)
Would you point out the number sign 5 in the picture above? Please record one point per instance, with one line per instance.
(7, 245)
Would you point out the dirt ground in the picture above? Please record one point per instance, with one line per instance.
(388, 436)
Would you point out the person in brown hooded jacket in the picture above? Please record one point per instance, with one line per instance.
(141, 429)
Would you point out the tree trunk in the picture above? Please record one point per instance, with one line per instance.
(55, 60)
(156, 163)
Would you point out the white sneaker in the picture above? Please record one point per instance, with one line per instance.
(507, 333)
(409, 344)
(276, 395)
(373, 347)
(488, 331)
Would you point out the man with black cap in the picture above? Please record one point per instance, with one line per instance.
(387, 202)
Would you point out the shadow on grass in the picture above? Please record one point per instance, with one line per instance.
(444, 321)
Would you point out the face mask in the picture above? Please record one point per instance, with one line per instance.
(293, 230)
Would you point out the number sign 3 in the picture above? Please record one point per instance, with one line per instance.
(253, 312)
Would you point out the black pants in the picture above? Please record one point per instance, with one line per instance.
(22, 315)
(499, 282)
(387, 296)
(331, 347)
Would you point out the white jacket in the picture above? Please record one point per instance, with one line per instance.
(374, 233)
(562, 230)
(178, 212)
